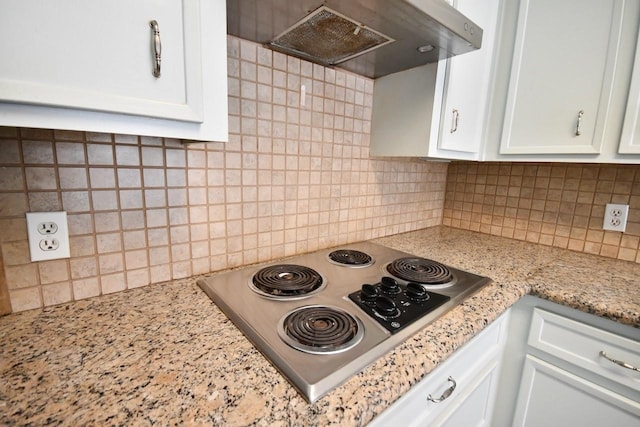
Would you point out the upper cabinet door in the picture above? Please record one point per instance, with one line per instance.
(99, 56)
(562, 76)
(459, 124)
(89, 65)
(630, 139)
(439, 110)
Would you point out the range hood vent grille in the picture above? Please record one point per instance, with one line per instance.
(329, 38)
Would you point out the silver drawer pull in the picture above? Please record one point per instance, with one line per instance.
(157, 47)
(454, 120)
(579, 124)
(446, 393)
(619, 362)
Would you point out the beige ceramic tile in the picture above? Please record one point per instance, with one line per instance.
(83, 267)
(53, 271)
(99, 154)
(111, 283)
(37, 152)
(56, 293)
(25, 299)
(86, 288)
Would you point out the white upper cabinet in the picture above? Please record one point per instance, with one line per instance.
(438, 110)
(563, 74)
(90, 65)
(630, 139)
(460, 109)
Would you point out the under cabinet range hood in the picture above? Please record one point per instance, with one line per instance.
(368, 37)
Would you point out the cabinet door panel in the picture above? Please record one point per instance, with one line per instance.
(467, 84)
(475, 407)
(473, 367)
(564, 63)
(98, 56)
(551, 396)
(630, 139)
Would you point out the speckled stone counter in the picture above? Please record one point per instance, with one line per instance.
(165, 354)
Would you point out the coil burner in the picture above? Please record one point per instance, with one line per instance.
(420, 270)
(320, 329)
(350, 258)
(287, 281)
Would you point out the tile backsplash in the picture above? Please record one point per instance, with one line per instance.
(143, 210)
(552, 204)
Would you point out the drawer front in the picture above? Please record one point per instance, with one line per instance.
(468, 366)
(583, 346)
(475, 408)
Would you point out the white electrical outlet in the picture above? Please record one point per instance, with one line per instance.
(48, 235)
(615, 217)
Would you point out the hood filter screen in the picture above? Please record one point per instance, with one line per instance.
(329, 38)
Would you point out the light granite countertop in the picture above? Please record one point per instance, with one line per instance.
(166, 354)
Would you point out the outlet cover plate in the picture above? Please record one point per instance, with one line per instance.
(58, 233)
(615, 217)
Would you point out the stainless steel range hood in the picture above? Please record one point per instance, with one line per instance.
(369, 37)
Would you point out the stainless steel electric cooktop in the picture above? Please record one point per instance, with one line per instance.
(322, 317)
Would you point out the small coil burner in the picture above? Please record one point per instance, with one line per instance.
(287, 281)
(319, 329)
(420, 270)
(350, 258)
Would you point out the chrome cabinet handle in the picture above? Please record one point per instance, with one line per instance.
(157, 47)
(578, 131)
(446, 393)
(454, 120)
(619, 362)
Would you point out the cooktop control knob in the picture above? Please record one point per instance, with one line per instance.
(389, 286)
(416, 292)
(386, 307)
(368, 293)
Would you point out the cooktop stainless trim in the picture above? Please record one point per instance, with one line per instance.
(315, 375)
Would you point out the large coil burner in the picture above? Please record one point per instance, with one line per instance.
(420, 270)
(320, 329)
(287, 281)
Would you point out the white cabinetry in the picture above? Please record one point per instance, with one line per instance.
(438, 110)
(88, 65)
(563, 70)
(562, 76)
(558, 369)
(460, 110)
(552, 396)
(630, 139)
(466, 383)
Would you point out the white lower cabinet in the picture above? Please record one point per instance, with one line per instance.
(564, 367)
(539, 365)
(460, 392)
(551, 396)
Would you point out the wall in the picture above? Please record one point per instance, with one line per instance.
(558, 205)
(144, 210)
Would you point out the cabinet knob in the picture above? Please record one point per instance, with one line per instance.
(157, 47)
